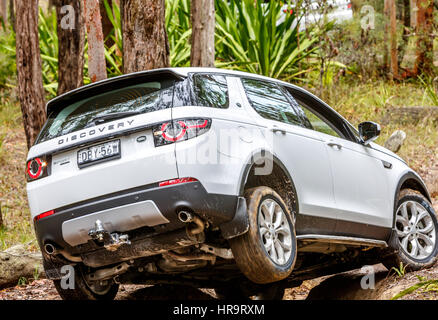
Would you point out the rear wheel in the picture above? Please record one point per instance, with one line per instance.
(416, 229)
(84, 290)
(267, 252)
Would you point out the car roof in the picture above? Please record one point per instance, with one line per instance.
(181, 72)
(176, 72)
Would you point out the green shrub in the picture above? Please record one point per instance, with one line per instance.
(253, 36)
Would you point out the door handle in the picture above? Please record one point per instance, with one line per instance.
(276, 129)
(334, 145)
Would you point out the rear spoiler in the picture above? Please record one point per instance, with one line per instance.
(110, 84)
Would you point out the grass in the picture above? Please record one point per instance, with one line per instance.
(16, 217)
(425, 284)
(371, 100)
(356, 101)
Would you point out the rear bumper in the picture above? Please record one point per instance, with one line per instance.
(68, 227)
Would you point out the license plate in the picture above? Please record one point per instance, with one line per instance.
(99, 153)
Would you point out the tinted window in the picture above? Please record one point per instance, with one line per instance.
(269, 101)
(312, 120)
(143, 98)
(210, 90)
(182, 95)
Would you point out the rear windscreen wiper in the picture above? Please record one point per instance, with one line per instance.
(113, 116)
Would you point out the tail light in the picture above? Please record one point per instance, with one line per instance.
(38, 168)
(176, 181)
(179, 130)
(43, 215)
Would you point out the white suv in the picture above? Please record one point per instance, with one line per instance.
(201, 176)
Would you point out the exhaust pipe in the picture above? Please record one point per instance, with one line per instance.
(50, 249)
(187, 217)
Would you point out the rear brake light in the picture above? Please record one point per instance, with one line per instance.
(38, 168)
(179, 130)
(176, 181)
(43, 215)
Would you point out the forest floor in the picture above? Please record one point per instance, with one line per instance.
(347, 287)
(357, 102)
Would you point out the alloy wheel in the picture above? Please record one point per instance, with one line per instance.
(275, 231)
(415, 230)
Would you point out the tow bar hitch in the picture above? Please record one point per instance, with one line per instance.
(111, 241)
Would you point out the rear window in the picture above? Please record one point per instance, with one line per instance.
(210, 90)
(142, 98)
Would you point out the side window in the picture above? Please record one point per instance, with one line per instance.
(210, 90)
(312, 120)
(318, 124)
(269, 101)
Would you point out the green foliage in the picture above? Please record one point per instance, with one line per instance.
(22, 281)
(8, 67)
(48, 38)
(400, 271)
(430, 89)
(428, 285)
(113, 54)
(179, 31)
(36, 273)
(252, 36)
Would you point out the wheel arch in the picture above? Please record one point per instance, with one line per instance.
(409, 180)
(278, 169)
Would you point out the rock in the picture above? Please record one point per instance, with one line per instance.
(395, 141)
(410, 115)
(350, 286)
(17, 262)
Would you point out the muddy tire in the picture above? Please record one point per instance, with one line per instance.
(84, 291)
(416, 233)
(267, 252)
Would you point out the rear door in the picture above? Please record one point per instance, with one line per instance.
(302, 152)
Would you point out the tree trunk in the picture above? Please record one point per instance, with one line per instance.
(145, 43)
(29, 74)
(386, 17)
(71, 47)
(424, 30)
(393, 35)
(4, 11)
(50, 4)
(203, 23)
(96, 48)
(406, 13)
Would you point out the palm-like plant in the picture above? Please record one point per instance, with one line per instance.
(48, 38)
(255, 37)
(179, 31)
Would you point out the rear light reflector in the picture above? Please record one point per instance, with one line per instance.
(43, 215)
(176, 181)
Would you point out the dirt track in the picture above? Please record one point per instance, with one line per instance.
(345, 286)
